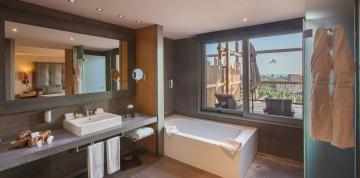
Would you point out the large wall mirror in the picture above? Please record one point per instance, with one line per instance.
(44, 62)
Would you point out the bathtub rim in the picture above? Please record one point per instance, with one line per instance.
(250, 131)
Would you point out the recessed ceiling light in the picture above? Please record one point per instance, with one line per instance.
(14, 29)
(99, 9)
(72, 1)
(245, 19)
(121, 16)
(139, 21)
(71, 39)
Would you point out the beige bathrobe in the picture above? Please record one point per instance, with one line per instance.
(321, 120)
(343, 97)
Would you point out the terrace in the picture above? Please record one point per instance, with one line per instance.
(224, 76)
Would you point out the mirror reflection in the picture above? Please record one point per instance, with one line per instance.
(46, 62)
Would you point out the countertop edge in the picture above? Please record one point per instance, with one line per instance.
(11, 162)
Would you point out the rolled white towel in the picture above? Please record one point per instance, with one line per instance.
(140, 133)
(171, 130)
(232, 146)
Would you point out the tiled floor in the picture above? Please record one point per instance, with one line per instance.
(165, 167)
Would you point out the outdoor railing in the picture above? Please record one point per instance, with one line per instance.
(279, 89)
(266, 89)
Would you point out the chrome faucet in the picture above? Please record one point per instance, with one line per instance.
(86, 110)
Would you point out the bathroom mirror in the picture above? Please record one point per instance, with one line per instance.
(46, 62)
(137, 74)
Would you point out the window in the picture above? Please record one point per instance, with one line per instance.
(223, 77)
(279, 61)
(274, 75)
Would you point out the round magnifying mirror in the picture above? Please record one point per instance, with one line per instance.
(138, 74)
(114, 74)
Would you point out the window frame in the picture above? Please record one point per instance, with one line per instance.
(245, 113)
(203, 106)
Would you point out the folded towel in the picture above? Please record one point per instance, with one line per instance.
(113, 155)
(140, 133)
(232, 146)
(171, 130)
(96, 160)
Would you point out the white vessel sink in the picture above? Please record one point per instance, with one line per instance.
(90, 124)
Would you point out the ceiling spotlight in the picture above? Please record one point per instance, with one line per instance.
(139, 21)
(71, 39)
(99, 9)
(72, 1)
(121, 16)
(245, 19)
(14, 29)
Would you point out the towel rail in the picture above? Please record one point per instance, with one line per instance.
(136, 140)
(84, 147)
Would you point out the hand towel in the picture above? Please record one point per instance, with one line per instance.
(232, 146)
(96, 160)
(113, 155)
(140, 133)
(171, 130)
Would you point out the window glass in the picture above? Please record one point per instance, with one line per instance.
(223, 76)
(278, 42)
(279, 90)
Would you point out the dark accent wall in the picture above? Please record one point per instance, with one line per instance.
(29, 113)
(321, 158)
(282, 141)
(22, 12)
(169, 73)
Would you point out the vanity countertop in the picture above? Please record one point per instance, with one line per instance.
(65, 140)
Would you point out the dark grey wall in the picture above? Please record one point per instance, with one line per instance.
(323, 159)
(21, 12)
(30, 113)
(169, 73)
(282, 141)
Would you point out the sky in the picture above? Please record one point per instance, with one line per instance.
(286, 63)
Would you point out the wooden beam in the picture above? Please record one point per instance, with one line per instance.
(237, 58)
(227, 76)
(220, 63)
(124, 84)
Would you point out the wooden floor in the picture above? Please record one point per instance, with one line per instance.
(164, 167)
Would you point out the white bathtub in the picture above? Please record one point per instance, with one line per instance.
(197, 144)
